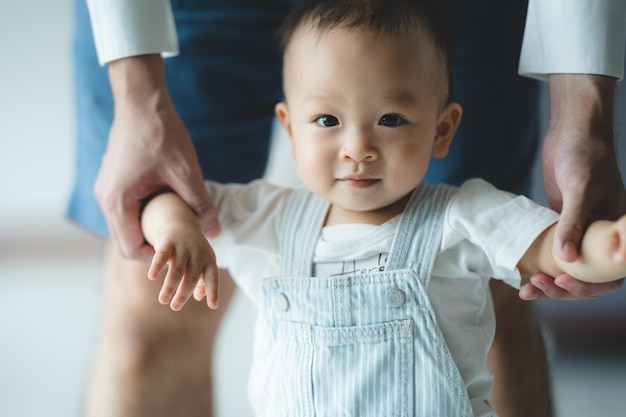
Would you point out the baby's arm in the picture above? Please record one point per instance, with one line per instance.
(172, 228)
(602, 258)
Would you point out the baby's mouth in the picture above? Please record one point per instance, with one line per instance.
(359, 181)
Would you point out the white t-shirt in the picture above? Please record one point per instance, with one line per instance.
(561, 36)
(485, 233)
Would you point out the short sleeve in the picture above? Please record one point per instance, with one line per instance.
(490, 230)
(248, 245)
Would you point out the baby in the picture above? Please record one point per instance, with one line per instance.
(377, 300)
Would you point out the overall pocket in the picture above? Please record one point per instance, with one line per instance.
(364, 371)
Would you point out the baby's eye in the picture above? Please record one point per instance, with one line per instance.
(327, 120)
(391, 120)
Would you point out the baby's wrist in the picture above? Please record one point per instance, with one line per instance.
(180, 228)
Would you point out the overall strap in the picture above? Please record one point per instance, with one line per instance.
(300, 229)
(419, 231)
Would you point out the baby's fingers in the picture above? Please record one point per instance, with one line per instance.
(159, 261)
(186, 288)
(175, 274)
(210, 278)
(616, 243)
(200, 291)
(212, 285)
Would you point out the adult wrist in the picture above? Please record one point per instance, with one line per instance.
(138, 81)
(583, 101)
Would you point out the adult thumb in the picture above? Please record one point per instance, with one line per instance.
(197, 197)
(570, 229)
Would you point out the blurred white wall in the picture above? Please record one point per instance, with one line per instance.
(36, 119)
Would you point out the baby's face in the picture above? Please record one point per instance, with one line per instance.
(363, 115)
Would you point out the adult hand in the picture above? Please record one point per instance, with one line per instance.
(581, 174)
(149, 150)
(564, 287)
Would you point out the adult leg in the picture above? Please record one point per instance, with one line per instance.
(497, 140)
(150, 360)
(518, 359)
(224, 84)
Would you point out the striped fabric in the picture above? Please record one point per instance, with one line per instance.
(355, 345)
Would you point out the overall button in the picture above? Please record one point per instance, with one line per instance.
(280, 302)
(395, 297)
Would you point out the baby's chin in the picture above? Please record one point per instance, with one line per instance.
(343, 212)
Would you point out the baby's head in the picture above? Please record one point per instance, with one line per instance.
(367, 88)
(420, 19)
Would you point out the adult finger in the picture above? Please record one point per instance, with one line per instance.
(579, 289)
(543, 286)
(529, 292)
(122, 216)
(570, 228)
(195, 194)
(125, 229)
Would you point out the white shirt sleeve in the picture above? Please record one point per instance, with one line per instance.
(248, 245)
(123, 28)
(574, 37)
(487, 231)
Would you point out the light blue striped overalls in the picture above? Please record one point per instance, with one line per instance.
(355, 345)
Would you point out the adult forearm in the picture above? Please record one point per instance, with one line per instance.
(138, 81)
(580, 170)
(584, 102)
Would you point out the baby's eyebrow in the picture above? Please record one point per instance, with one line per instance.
(399, 96)
(320, 97)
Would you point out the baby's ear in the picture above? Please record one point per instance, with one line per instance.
(282, 113)
(448, 123)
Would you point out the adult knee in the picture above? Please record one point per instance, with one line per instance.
(141, 334)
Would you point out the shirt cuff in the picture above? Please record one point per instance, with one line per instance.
(124, 28)
(574, 37)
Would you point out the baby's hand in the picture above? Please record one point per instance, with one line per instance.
(191, 266)
(617, 241)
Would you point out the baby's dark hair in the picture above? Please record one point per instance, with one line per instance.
(387, 17)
